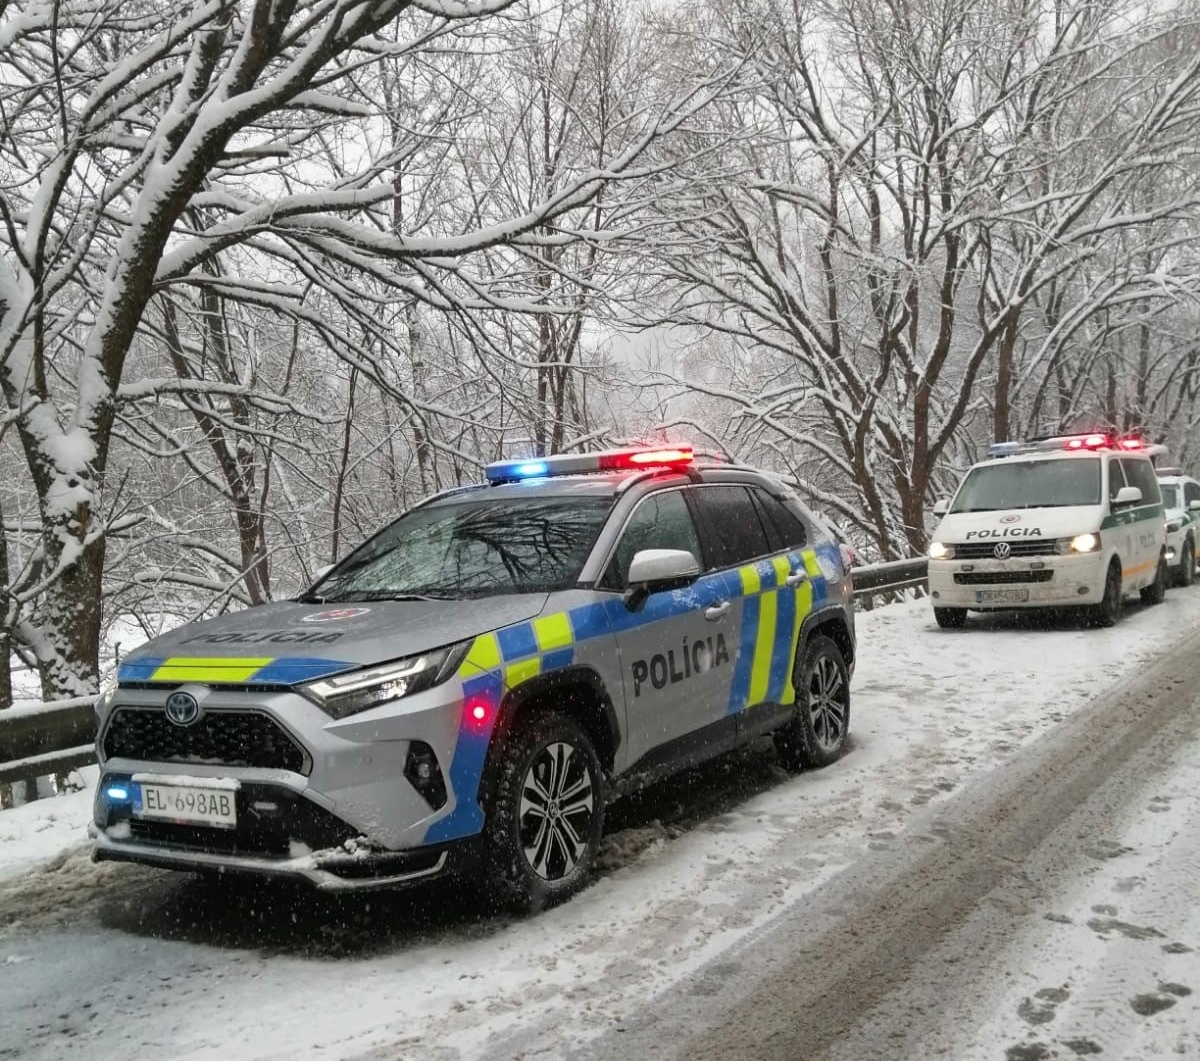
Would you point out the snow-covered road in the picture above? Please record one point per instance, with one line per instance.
(118, 961)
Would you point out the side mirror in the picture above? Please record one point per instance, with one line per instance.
(654, 570)
(1194, 505)
(941, 506)
(1127, 495)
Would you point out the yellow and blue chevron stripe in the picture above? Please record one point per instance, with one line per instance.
(230, 670)
(772, 614)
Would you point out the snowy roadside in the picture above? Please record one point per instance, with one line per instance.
(932, 710)
(39, 834)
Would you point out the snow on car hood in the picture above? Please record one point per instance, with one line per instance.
(290, 642)
(1016, 524)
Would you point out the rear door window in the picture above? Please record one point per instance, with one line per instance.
(788, 530)
(733, 528)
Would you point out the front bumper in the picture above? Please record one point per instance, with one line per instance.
(338, 803)
(345, 868)
(1049, 581)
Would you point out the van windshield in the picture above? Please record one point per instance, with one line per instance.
(1030, 484)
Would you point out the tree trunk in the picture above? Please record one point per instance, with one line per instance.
(1004, 364)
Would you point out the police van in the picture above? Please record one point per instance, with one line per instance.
(470, 687)
(1074, 520)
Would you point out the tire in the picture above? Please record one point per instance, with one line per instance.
(950, 618)
(534, 859)
(817, 735)
(1157, 590)
(1108, 611)
(1187, 565)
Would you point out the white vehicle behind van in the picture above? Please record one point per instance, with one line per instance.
(1181, 504)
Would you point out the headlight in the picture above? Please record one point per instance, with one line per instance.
(347, 694)
(1173, 525)
(940, 551)
(1084, 543)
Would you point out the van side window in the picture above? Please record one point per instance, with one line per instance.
(1191, 492)
(1116, 479)
(1140, 473)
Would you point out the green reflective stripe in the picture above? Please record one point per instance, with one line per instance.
(1133, 515)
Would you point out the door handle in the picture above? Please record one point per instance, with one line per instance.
(796, 578)
(717, 611)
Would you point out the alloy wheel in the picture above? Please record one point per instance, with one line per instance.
(827, 702)
(556, 809)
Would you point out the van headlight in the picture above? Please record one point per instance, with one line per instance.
(349, 693)
(1084, 543)
(941, 551)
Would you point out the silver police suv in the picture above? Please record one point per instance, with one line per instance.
(472, 685)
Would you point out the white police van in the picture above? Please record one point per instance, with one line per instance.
(1073, 520)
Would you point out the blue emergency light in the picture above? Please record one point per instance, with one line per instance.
(612, 460)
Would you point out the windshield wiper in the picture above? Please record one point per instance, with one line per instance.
(310, 598)
(387, 594)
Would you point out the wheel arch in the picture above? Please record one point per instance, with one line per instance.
(831, 623)
(577, 692)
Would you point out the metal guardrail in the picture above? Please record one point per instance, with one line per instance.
(46, 739)
(878, 579)
(54, 738)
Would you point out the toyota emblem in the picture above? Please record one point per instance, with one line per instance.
(182, 708)
(1002, 551)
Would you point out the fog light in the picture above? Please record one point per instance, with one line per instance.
(1170, 554)
(422, 771)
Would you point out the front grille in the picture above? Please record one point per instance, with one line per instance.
(224, 738)
(1001, 578)
(1019, 547)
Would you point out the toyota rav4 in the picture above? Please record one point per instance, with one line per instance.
(471, 686)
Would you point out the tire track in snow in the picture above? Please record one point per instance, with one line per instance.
(857, 941)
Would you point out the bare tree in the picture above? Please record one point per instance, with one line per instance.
(139, 145)
(920, 177)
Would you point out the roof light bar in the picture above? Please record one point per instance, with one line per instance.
(582, 463)
(1090, 441)
(1004, 449)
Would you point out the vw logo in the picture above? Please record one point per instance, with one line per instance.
(1011, 518)
(1002, 552)
(182, 709)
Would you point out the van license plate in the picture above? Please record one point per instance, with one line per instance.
(1001, 596)
(188, 805)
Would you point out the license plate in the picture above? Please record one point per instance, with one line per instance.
(187, 804)
(1001, 596)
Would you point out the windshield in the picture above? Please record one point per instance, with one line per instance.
(473, 548)
(1170, 496)
(1030, 484)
